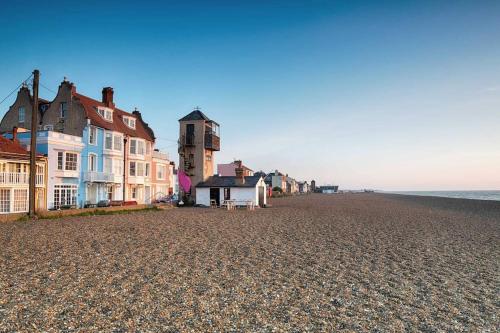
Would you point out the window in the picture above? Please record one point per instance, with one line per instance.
(140, 147)
(20, 200)
(92, 162)
(134, 192)
(130, 122)
(4, 200)
(227, 193)
(133, 146)
(71, 161)
(108, 141)
(64, 195)
(117, 141)
(110, 192)
(161, 171)
(208, 157)
(146, 170)
(140, 169)
(117, 167)
(60, 155)
(93, 135)
(105, 113)
(63, 108)
(132, 169)
(22, 114)
(108, 165)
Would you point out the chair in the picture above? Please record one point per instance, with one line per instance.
(213, 203)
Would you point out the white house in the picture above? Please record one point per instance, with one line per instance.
(64, 165)
(238, 188)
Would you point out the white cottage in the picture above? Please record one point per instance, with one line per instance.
(238, 188)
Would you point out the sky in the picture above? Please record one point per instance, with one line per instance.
(389, 95)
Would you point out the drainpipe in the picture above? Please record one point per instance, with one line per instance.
(125, 139)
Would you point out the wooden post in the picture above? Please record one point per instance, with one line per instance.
(34, 127)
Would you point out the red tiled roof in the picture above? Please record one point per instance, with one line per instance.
(13, 149)
(90, 105)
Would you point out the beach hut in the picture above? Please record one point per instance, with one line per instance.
(241, 190)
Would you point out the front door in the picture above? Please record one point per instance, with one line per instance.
(147, 194)
(215, 195)
(261, 196)
(92, 193)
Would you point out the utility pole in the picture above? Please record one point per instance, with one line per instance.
(34, 126)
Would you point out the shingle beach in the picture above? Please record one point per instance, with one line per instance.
(318, 263)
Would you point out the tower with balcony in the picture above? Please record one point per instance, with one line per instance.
(199, 138)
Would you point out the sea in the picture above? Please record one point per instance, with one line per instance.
(478, 195)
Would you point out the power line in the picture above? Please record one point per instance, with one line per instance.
(13, 91)
(52, 91)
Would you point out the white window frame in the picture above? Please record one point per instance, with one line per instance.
(129, 121)
(63, 109)
(23, 113)
(159, 174)
(147, 169)
(117, 138)
(105, 113)
(70, 189)
(66, 161)
(91, 167)
(93, 129)
(130, 168)
(106, 135)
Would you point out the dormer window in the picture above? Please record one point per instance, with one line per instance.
(105, 113)
(129, 121)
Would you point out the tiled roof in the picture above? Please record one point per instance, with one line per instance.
(90, 105)
(195, 115)
(229, 181)
(13, 149)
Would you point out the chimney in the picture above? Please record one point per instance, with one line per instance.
(14, 133)
(240, 175)
(240, 178)
(107, 97)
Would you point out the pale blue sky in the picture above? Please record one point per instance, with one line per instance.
(387, 95)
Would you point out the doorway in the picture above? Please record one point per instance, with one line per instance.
(215, 195)
(147, 194)
(261, 196)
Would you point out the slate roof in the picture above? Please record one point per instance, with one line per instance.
(195, 115)
(229, 181)
(142, 130)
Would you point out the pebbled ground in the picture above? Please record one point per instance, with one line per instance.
(318, 263)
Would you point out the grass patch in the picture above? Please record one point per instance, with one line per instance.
(94, 212)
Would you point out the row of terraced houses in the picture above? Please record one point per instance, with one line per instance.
(90, 152)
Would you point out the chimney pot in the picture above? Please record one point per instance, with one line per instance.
(14, 133)
(107, 97)
(240, 178)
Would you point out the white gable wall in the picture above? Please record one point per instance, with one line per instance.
(203, 196)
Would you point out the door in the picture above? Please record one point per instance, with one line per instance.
(147, 194)
(215, 195)
(261, 196)
(92, 194)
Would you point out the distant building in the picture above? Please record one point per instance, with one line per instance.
(303, 187)
(329, 189)
(276, 179)
(198, 140)
(229, 169)
(313, 185)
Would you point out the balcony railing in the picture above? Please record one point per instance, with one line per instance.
(212, 141)
(18, 178)
(98, 177)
